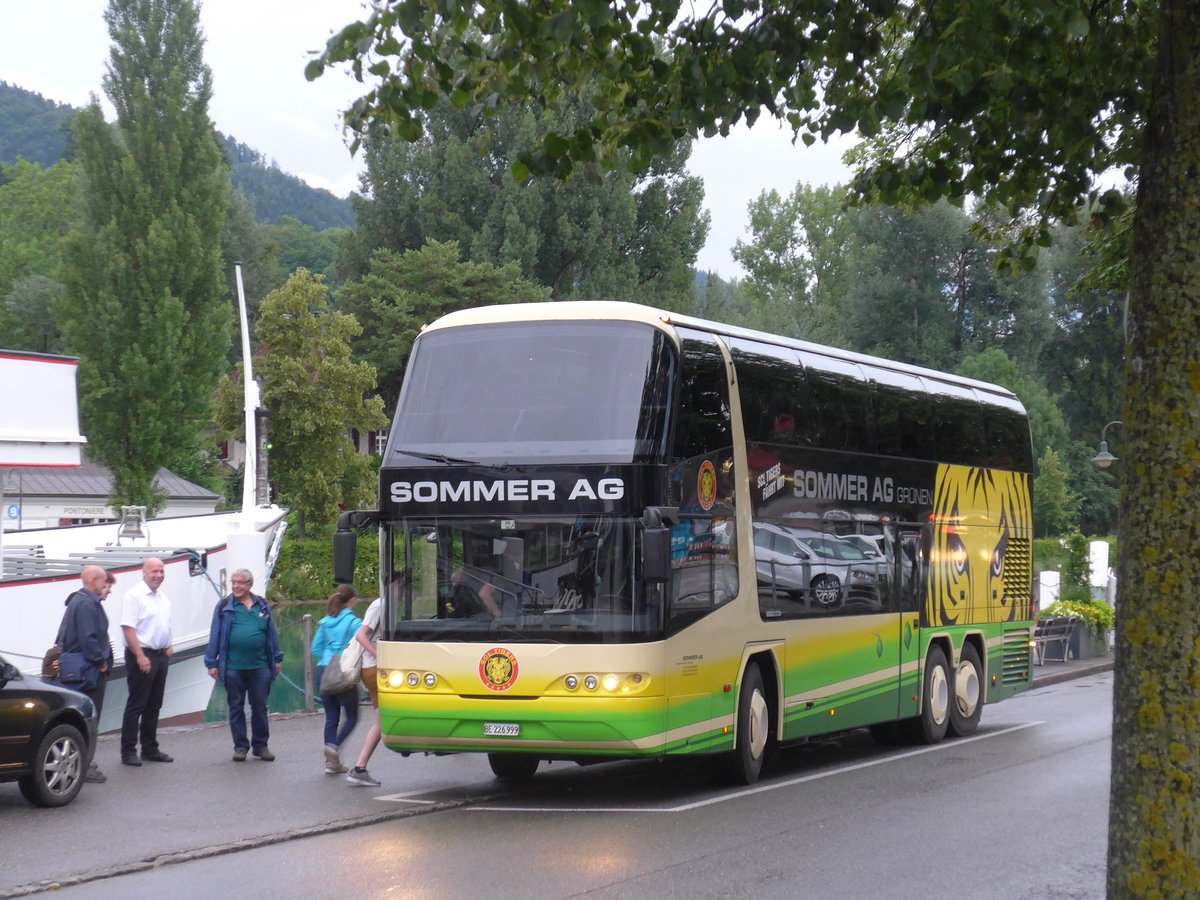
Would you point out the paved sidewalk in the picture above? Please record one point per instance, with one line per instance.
(1053, 671)
(204, 804)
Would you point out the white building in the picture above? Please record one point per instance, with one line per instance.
(48, 496)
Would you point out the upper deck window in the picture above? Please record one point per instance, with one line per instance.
(563, 391)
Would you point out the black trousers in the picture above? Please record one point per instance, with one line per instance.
(146, 691)
(96, 695)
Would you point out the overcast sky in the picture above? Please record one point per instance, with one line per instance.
(257, 51)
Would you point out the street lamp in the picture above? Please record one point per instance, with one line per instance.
(1104, 459)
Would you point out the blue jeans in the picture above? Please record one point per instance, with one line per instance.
(343, 707)
(256, 684)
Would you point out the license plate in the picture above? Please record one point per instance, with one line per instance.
(502, 729)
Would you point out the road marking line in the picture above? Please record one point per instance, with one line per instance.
(736, 795)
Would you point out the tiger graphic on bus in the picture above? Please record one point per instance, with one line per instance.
(982, 531)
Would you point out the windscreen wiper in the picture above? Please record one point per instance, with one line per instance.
(439, 457)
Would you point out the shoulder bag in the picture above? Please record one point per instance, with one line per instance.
(335, 679)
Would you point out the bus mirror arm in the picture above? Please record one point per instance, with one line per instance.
(656, 543)
(345, 542)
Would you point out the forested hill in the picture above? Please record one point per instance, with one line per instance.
(36, 129)
(275, 193)
(32, 126)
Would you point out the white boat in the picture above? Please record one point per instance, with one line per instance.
(41, 567)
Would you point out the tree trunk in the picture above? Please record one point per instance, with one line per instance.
(1154, 819)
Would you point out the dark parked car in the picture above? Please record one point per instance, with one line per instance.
(45, 732)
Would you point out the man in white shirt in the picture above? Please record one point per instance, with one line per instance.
(146, 624)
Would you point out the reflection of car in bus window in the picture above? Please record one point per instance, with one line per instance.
(824, 571)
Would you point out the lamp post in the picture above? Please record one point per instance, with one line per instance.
(1104, 459)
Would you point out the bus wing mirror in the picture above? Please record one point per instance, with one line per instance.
(345, 549)
(656, 555)
(345, 542)
(656, 543)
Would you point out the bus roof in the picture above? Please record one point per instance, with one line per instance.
(585, 310)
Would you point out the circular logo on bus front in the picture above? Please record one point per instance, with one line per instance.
(498, 669)
(706, 485)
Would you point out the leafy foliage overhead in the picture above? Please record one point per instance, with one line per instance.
(1016, 102)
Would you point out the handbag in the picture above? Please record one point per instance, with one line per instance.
(75, 671)
(335, 679)
(50, 662)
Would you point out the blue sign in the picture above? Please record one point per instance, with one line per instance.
(14, 511)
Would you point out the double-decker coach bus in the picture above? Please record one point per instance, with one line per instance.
(607, 531)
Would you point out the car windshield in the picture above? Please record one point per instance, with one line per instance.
(565, 580)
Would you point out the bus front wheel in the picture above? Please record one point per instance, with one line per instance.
(930, 726)
(753, 730)
(513, 766)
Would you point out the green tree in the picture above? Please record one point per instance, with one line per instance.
(1084, 358)
(1022, 104)
(313, 392)
(404, 291)
(611, 236)
(795, 262)
(245, 240)
(1055, 507)
(37, 209)
(300, 246)
(145, 306)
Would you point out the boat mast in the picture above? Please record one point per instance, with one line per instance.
(250, 404)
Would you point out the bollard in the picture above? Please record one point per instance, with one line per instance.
(306, 626)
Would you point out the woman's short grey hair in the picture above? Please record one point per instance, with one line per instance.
(245, 574)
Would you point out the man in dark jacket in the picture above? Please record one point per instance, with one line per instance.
(85, 630)
(243, 654)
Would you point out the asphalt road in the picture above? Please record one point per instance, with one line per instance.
(1017, 811)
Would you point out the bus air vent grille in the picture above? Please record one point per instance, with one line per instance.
(1017, 661)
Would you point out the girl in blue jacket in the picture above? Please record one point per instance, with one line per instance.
(334, 633)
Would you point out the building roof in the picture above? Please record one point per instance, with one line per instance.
(92, 480)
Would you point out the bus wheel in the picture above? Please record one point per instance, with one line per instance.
(966, 705)
(753, 730)
(513, 766)
(930, 726)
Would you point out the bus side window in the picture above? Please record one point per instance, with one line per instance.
(703, 419)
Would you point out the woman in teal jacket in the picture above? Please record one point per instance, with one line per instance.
(334, 632)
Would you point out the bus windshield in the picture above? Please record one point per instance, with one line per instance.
(563, 580)
(536, 391)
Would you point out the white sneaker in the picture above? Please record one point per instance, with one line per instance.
(334, 768)
(332, 757)
(362, 778)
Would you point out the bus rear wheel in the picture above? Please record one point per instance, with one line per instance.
(752, 733)
(513, 766)
(966, 704)
(930, 726)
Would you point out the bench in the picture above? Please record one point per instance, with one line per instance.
(1054, 631)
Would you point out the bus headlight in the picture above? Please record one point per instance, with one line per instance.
(590, 682)
(571, 682)
(413, 679)
(430, 679)
(611, 682)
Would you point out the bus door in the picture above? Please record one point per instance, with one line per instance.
(909, 594)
